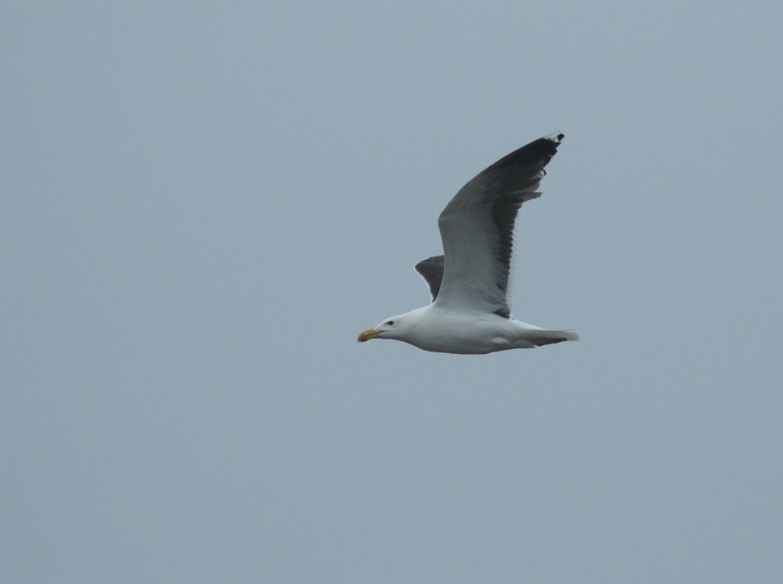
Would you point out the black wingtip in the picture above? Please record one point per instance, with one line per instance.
(557, 137)
(541, 150)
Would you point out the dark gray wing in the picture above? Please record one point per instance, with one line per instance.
(431, 270)
(477, 229)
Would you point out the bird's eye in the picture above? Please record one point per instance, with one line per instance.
(389, 322)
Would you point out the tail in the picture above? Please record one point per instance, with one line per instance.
(544, 337)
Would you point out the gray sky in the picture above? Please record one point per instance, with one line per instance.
(204, 203)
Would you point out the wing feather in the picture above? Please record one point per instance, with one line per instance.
(431, 269)
(477, 229)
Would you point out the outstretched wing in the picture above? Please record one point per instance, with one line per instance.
(431, 270)
(477, 229)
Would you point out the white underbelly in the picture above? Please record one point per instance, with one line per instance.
(471, 335)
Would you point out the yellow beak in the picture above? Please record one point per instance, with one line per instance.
(368, 334)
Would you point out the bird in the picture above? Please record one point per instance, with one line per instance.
(470, 312)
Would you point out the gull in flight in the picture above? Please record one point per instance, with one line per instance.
(470, 312)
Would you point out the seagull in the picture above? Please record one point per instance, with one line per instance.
(470, 312)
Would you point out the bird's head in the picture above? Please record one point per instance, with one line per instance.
(394, 327)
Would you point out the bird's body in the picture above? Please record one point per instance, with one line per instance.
(469, 333)
(470, 313)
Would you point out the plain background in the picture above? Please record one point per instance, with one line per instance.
(203, 203)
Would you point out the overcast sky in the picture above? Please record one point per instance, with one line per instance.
(203, 203)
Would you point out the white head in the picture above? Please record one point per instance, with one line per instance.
(395, 327)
